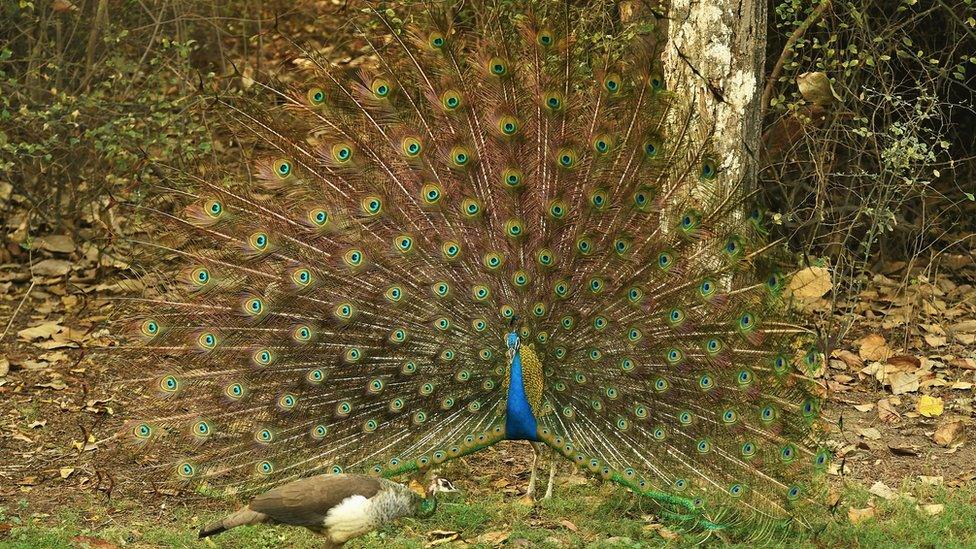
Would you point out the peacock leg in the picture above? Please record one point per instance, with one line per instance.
(529, 497)
(552, 476)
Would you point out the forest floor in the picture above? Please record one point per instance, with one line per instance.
(899, 397)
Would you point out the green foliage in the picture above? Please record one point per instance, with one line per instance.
(84, 120)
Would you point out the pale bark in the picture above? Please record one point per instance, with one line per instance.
(714, 54)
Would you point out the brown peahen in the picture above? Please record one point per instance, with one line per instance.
(339, 507)
(504, 228)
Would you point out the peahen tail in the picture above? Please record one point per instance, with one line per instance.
(507, 227)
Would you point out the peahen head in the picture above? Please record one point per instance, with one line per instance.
(429, 502)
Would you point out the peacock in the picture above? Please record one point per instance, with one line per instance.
(339, 507)
(502, 226)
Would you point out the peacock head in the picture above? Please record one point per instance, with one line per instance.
(513, 343)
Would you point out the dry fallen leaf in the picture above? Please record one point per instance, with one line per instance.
(948, 432)
(883, 491)
(870, 433)
(933, 508)
(874, 348)
(810, 284)
(59, 243)
(569, 525)
(930, 406)
(857, 516)
(903, 382)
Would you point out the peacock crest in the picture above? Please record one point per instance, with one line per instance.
(495, 195)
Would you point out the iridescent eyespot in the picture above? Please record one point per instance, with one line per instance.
(520, 278)
(744, 378)
(634, 335)
(258, 241)
(661, 385)
(601, 144)
(621, 245)
(729, 417)
(584, 245)
(287, 401)
(706, 289)
(685, 418)
(372, 205)
(353, 354)
(708, 169)
(659, 433)
(508, 125)
(316, 96)
(545, 38)
(318, 432)
(149, 328)
(411, 147)
(200, 276)
(673, 356)
(442, 323)
(611, 83)
(451, 250)
(315, 376)
(493, 260)
(552, 101)
(642, 199)
(403, 243)
(353, 258)
(262, 357)
(566, 157)
(301, 277)
(375, 386)
(234, 391)
(264, 436)
(213, 208)
(169, 384)
(706, 382)
(651, 148)
(265, 467)
(341, 153)
(545, 257)
(557, 209)
(506, 311)
(793, 493)
(665, 260)
(480, 292)
(479, 324)
(635, 294)
(440, 289)
(514, 228)
(344, 311)
(512, 178)
(409, 367)
(703, 446)
(399, 335)
(598, 199)
(470, 207)
(344, 408)
(393, 294)
(746, 322)
(419, 417)
(186, 470)
(318, 217)
(787, 453)
(207, 341)
(627, 364)
(498, 66)
(380, 88)
(282, 168)
(451, 100)
(436, 40)
(431, 193)
(560, 288)
(302, 334)
(460, 156)
(748, 450)
(253, 306)
(142, 431)
(767, 414)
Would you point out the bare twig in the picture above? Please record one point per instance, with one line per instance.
(787, 51)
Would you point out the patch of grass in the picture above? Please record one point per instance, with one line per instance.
(589, 515)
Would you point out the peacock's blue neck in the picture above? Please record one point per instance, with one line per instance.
(520, 424)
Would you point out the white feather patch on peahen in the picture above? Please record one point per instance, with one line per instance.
(351, 518)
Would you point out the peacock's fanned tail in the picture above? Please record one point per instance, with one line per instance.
(344, 303)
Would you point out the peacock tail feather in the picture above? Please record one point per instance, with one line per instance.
(499, 188)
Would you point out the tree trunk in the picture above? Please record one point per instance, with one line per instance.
(714, 52)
